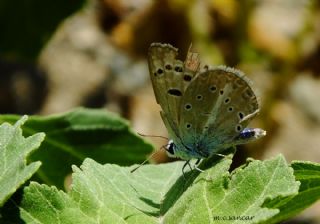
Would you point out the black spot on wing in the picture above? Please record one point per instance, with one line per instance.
(188, 125)
(213, 88)
(188, 106)
(227, 100)
(187, 78)
(168, 67)
(178, 68)
(241, 115)
(174, 92)
(159, 71)
(199, 97)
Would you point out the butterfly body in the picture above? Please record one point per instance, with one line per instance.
(205, 110)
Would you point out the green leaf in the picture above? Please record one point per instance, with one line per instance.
(240, 196)
(14, 149)
(308, 174)
(161, 194)
(73, 136)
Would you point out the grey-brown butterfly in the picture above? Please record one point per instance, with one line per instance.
(204, 110)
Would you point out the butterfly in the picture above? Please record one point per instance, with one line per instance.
(204, 110)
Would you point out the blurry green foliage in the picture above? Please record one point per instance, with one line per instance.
(73, 136)
(26, 25)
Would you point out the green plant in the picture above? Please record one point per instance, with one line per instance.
(257, 192)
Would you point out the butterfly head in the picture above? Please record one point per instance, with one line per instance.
(170, 148)
(183, 152)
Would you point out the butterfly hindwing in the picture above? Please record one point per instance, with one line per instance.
(214, 106)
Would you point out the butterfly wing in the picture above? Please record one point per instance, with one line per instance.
(216, 106)
(169, 78)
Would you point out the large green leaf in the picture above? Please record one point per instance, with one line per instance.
(71, 137)
(14, 148)
(308, 174)
(161, 194)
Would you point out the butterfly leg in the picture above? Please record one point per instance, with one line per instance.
(184, 166)
(223, 156)
(197, 162)
(196, 167)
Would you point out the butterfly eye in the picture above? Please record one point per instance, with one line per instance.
(168, 67)
(227, 100)
(221, 92)
(170, 147)
(199, 97)
(230, 109)
(238, 128)
(213, 88)
(188, 106)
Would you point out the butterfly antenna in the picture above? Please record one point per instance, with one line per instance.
(149, 157)
(154, 136)
(143, 162)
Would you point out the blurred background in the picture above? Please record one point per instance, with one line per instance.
(58, 55)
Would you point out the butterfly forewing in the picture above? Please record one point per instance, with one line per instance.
(170, 77)
(167, 82)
